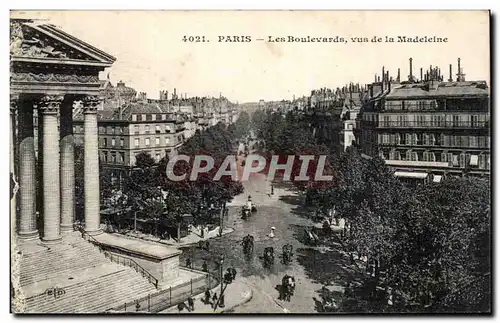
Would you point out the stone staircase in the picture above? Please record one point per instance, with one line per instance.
(90, 281)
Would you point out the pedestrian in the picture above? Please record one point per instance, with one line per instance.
(207, 245)
(207, 296)
(204, 267)
(188, 262)
(214, 300)
(191, 303)
(233, 273)
(180, 307)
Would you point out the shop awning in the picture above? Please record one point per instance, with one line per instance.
(474, 160)
(411, 174)
(437, 178)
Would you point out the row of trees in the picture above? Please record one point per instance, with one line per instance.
(149, 194)
(428, 246)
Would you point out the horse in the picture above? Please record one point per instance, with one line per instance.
(245, 212)
(287, 253)
(287, 287)
(247, 244)
(268, 256)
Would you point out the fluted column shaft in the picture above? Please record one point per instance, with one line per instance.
(91, 166)
(27, 179)
(67, 167)
(13, 213)
(49, 108)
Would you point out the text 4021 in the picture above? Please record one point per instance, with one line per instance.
(194, 39)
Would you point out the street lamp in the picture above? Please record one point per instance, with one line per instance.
(221, 297)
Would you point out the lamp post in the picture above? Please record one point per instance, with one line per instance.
(221, 297)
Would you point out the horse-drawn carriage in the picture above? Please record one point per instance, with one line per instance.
(268, 256)
(287, 288)
(247, 210)
(247, 244)
(287, 253)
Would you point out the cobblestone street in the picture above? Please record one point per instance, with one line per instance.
(311, 267)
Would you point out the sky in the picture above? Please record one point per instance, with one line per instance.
(151, 56)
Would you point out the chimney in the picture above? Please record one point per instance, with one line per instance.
(371, 90)
(375, 78)
(459, 70)
(383, 73)
(175, 91)
(411, 69)
(166, 95)
(421, 74)
(399, 75)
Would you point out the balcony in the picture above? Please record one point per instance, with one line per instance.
(434, 124)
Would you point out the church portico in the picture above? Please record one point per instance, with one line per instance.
(51, 71)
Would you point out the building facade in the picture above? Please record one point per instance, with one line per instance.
(50, 72)
(429, 128)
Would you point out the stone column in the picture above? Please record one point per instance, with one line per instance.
(49, 109)
(13, 176)
(67, 167)
(27, 179)
(91, 166)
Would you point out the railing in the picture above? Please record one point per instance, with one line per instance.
(126, 261)
(433, 124)
(116, 258)
(172, 296)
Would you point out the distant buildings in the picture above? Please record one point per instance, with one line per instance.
(129, 123)
(427, 128)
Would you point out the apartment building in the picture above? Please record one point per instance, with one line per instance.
(428, 128)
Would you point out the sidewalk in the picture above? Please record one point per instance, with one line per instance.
(190, 239)
(236, 294)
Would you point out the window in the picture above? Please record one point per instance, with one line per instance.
(397, 155)
(120, 130)
(456, 121)
(454, 159)
(105, 156)
(168, 128)
(157, 129)
(149, 117)
(391, 154)
(462, 160)
(136, 129)
(482, 142)
(432, 139)
(386, 121)
(408, 155)
(157, 141)
(425, 156)
(432, 157)
(158, 117)
(420, 121)
(167, 140)
(147, 142)
(474, 121)
(122, 142)
(415, 140)
(414, 156)
(426, 139)
(464, 141)
(139, 117)
(482, 161)
(147, 128)
(444, 158)
(122, 157)
(136, 142)
(113, 157)
(473, 142)
(110, 130)
(113, 142)
(398, 139)
(105, 142)
(102, 130)
(408, 139)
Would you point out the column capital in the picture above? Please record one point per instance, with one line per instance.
(14, 101)
(50, 104)
(90, 103)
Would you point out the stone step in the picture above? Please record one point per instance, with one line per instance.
(76, 293)
(98, 295)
